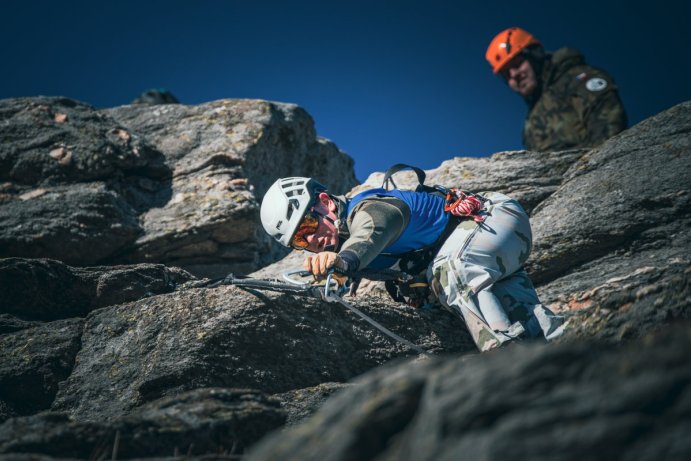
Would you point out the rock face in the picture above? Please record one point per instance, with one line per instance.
(223, 337)
(610, 225)
(612, 243)
(34, 362)
(224, 155)
(49, 141)
(630, 194)
(570, 401)
(169, 184)
(135, 349)
(529, 177)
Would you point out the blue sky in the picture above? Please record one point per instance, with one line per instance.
(387, 81)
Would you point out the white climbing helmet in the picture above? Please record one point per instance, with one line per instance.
(285, 204)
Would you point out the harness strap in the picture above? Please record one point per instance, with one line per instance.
(458, 204)
(416, 261)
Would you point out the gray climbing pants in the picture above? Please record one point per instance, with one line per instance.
(478, 274)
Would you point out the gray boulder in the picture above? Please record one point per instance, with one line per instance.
(169, 184)
(631, 193)
(301, 403)
(10, 323)
(55, 140)
(224, 156)
(611, 245)
(156, 96)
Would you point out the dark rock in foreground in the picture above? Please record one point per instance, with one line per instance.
(205, 421)
(572, 401)
(301, 403)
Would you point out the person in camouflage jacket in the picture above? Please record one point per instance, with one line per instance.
(571, 104)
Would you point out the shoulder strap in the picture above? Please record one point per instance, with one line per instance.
(388, 180)
(421, 175)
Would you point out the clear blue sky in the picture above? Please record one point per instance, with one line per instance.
(387, 81)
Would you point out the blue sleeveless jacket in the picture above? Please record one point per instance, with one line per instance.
(428, 219)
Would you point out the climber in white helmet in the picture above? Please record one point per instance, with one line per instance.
(471, 259)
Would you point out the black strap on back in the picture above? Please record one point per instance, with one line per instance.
(421, 175)
(388, 179)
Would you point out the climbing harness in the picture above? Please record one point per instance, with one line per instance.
(460, 204)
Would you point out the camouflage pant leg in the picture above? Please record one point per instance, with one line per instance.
(473, 259)
(521, 303)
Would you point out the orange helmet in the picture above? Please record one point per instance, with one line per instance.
(507, 44)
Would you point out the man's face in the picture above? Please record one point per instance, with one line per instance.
(520, 76)
(326, 236)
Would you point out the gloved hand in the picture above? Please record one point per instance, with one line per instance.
(320, 263)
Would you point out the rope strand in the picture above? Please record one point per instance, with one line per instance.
(458, 203)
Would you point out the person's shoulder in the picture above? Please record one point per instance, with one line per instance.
(592, 81)
(562, 65)
(567, 57)
(581, 77)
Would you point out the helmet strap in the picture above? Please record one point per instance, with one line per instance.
(537, 57)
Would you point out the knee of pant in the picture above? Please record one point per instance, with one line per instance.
(438, 277)
(499, 325)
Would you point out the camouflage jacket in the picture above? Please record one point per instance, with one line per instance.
(578, 106)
